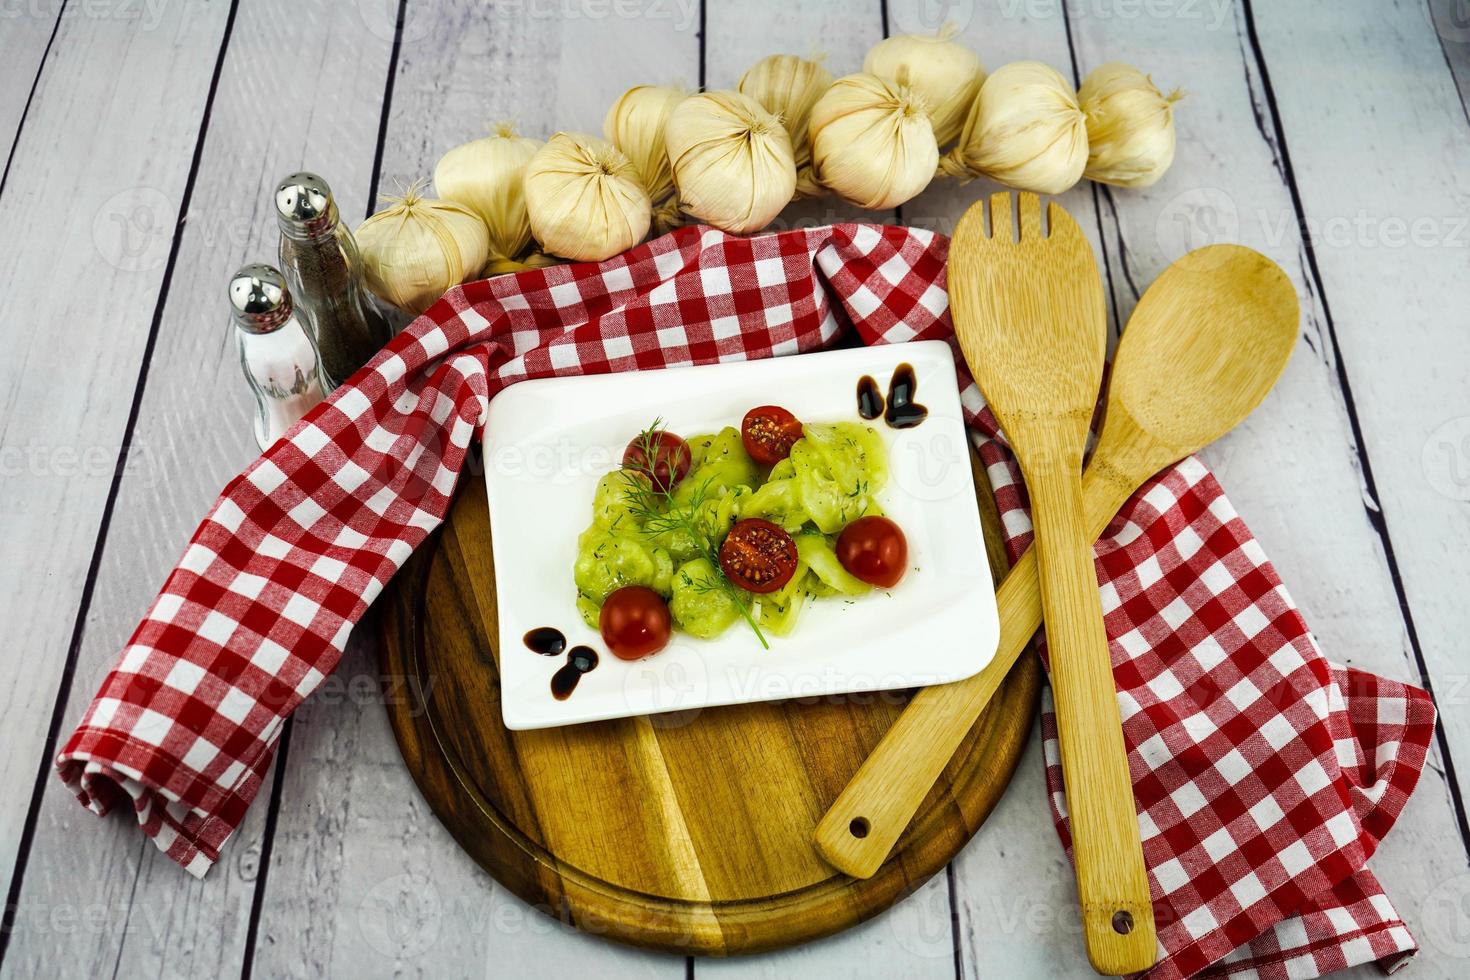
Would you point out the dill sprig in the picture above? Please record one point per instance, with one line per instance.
(658, 514)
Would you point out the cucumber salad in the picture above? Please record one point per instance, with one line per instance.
(746, 524)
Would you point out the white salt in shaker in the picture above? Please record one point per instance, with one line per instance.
(278, 357)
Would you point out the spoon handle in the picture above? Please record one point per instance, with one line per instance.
(1112, 883)
(884, 794)
(858, 831)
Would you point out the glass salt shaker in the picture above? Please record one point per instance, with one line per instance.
(324, 271)
(276, 353)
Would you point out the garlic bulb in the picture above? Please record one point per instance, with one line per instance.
(732, 161)
(486, 175)
(585, 198)
(635, 124)
(1130, 126)
(946, 74)
(419, 247)
(1025, 130)
(787, 87)
(872, 141)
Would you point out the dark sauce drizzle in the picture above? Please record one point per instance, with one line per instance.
(551, 642)
(902, 411)
(580, 660)
(870, 399)
(547, 641)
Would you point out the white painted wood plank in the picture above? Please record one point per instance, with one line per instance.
(192, 435)
(1291, 469)
(914, 940)
(1384, 187)
(1015, 896)
(23, 36)
(364, 881)
(1398, 307)
(1451, 19)
(96, 178)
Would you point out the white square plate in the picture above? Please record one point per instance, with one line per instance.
(548, 442)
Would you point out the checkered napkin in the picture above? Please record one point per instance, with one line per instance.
(1264, 775)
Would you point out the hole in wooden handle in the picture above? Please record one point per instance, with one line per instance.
(859, 827)
(1122, 922)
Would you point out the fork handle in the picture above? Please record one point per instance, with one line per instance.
(881, 798)
(1112, 883)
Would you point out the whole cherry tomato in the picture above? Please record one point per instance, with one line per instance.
(874, 550)
(635, 622)
(670, 462)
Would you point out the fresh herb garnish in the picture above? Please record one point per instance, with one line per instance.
(658, 513)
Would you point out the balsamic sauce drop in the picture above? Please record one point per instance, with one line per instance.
(869, 398)
(903, 412)
(579, 661)
(546, 640)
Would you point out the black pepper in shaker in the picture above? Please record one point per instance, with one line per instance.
(324, 270)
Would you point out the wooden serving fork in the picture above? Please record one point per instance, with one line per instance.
(1028, 311)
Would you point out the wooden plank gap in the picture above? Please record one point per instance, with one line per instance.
(273, 808)
(703, 37)
(68, 673)
(1377, 519)
(372, 196)
(21, 125)
(1097, 191)
(954, 921)
(898, 210)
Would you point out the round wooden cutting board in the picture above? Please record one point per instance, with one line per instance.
(688, 832)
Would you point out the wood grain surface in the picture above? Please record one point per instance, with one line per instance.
(687, 832)
(1298, 119)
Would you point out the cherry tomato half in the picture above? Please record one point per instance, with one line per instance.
(768, 433)
(671, 458)
(635, 622)
(874, 550)
(758, 556)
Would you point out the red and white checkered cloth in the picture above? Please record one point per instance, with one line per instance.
(1264, 776)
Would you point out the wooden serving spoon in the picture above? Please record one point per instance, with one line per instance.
(1204, 345)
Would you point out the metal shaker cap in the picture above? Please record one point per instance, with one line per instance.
(305, 207)
(259, 298)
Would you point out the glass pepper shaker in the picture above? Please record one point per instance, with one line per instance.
(324, 271)
(276, 353)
